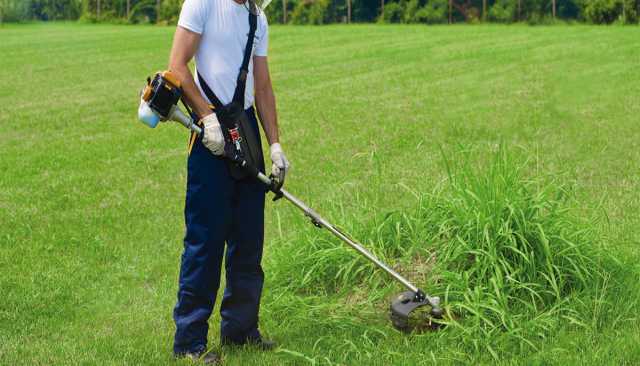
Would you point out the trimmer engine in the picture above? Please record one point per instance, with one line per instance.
(162, 93)
(159, 102)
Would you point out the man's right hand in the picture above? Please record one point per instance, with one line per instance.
(212, 138)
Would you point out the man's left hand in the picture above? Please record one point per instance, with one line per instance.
(280, 165)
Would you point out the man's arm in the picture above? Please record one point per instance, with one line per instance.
(266, 103)
(265, 99)
(185, 45)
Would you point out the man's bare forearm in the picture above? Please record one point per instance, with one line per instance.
(185, 44)
(266, 104)
(265, 99)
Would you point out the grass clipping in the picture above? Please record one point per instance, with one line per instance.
(511, 253)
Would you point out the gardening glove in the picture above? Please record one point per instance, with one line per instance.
(280, 164)
(212, 138)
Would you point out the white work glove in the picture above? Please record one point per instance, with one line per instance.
(212, 138)
(280, 165)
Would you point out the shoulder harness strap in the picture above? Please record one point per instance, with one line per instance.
(238, 95)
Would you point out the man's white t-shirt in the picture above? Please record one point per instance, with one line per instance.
(224, 29)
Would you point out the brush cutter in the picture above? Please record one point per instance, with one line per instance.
(159, 103)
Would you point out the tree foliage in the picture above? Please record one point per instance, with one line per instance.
(609, 11)
(27, 10)
(433, 12)
(335, 11)
(314, 12)
(503, 11)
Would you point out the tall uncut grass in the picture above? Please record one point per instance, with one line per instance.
(512, 253)
(504, 245)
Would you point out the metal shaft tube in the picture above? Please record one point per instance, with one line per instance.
(179, 116)
(327, 225)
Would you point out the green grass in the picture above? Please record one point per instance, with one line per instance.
(392, 131)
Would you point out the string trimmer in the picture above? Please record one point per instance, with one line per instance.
(159, 103)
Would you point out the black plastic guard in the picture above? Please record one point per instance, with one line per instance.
(404, 304)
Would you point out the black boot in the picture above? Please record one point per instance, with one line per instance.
(263, 344)
(259, 343)
(209, 358)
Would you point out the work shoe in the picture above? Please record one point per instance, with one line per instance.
(260, 343)
(209, 358)
(263, 344)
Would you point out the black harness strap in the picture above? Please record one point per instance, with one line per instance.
(209, 93)
(238, 95)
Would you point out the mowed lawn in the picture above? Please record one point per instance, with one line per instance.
(91, 201)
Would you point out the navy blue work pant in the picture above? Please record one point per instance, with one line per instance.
(220, 210)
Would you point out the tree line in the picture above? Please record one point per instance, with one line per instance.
(339, 11)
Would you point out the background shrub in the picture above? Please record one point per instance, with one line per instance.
(313, 12)
(602, 11)
(609, 11)
(410, 10)
(393, 13)
(170, 11)
(502, 11)
(335, 11)
(434, 12)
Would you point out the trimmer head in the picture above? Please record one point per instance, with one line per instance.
(406, 303)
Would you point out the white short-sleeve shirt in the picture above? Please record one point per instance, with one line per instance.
(224, 28)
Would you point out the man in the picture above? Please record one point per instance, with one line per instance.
(219, 208)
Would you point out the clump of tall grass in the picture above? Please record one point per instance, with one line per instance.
(514, 257)
(511, 251)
